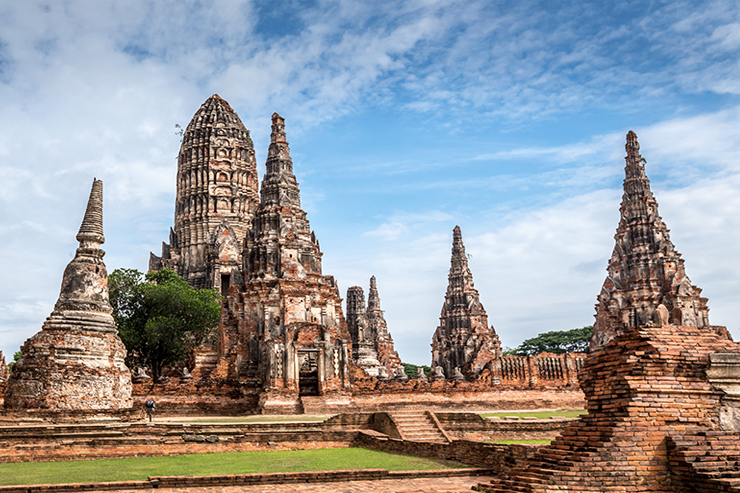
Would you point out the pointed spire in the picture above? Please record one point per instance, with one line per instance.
(279, 186)
(278, 129)
(459, 270)
(459, 259)
(373, 300)
(646, 282)
(91, 230)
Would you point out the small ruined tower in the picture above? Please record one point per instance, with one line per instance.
(291, 327)
(387, 354)
(216, 198)
(364, 354)
(372, 344)
(646, 282)
(463, 339)
(76, 361)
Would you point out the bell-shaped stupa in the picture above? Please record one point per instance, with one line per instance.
(76, 361)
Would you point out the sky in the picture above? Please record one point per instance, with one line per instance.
(405, 118)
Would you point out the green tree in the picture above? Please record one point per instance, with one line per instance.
(413, 370)
(558, 342)
(16, 356)
(160, 317)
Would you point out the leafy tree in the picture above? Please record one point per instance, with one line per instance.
(413, 370)
(558, 342)
(16, 356)
(160, 317)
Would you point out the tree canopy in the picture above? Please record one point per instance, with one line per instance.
(160, 317)
(413, 370)
(558, 342)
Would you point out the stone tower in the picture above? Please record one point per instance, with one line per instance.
(463, 339)
(76, 361)
(646, 282)
(364, 354)
(372, 344)
(216, 199)
(292, 336)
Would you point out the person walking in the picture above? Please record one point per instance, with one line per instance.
(150, 407)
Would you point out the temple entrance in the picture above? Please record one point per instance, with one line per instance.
(308, 376)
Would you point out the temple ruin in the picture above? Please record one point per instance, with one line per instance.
(646, 281)
(216, 200)
(372, 344)
(463, 343)
(76, 361)
(662, 386)
(283, 344)
(282, 329)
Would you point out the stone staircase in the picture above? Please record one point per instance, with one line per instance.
(419, 427)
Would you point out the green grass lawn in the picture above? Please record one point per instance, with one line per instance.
(511, 442)
(139, 468)
(564, 413)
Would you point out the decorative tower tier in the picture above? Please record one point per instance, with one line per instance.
(463, 340)
(646, 282)
(76, 361)
(216, 199)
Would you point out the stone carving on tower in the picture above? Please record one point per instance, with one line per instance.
(76, 361)
(216, 198)
(291, 336)
(372, 344)
(646, 282)
(463, 340)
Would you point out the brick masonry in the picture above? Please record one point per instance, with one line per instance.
(77, 360)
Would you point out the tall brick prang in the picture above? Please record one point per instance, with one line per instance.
(76, 361)
(292, 337)
(463, 339)
(663, 395)
(646, 281)
(216, 199)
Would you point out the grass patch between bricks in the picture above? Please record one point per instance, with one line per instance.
(561, 413)
(139, 468)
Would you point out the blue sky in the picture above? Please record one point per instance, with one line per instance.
(405, 118)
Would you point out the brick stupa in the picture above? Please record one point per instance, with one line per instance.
(76, 361)
(463, 343)
(663, 398)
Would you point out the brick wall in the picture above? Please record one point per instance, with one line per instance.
(643, 388)
(501, 459)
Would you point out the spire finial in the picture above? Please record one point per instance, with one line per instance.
(278, 129)
(633, 148)
(91, 230)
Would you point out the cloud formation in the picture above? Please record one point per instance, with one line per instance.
(405, 118)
